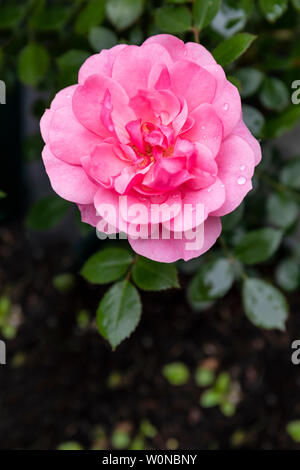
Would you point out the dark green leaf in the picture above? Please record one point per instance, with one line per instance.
(69, 64)
(277, 126)
(107, 265)
(282, 210)
(102, 38)
(33, 62)
(204, 377)
(258, 245)
(232, 48)
(204, 12)
(47, 212)
(2, 194)
(253, 119)
(10, 15)
(229, 221)
(123, 13)
(265, 306)
(274, 94)
(290, 174)
(48, 17)
(92, 15)
(64, 282)
(273, 9)
(250, 79)
(176, 373)
(173, 19)
(150, 275)
(119, 312)
(212, 281)
(287, 274)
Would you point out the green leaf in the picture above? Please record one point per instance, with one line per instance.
(210, 398)
(227, 408)
(265, 306)
(173, 19)
(204, 12)
(279, 125)
(293, 430)
(274, 94)
(48, 17)
(176, 373)
(92, 15)
(290, 174)
(69, 64)
(204, 377)
(273, 9)
(123, 13)
(258, 245)
(250, 79)
(120, 439)
(282, 210)
(64, 282)
(150, 275)
(253, 119)
(296, 4)
(70, 445)
(230, 49)
(231, 220)
(119, 312)
(33, 62)
(47, 212)
(107, 265)
(102, 38)
(212, 281)
(3, 195)
(287, 274)
(11, 15)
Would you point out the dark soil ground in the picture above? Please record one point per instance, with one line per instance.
(57, 384)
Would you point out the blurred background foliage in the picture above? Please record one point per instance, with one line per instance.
(42, 45)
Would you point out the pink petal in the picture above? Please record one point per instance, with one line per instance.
(192, 83)
(68, 181)
(168, 251)
(104, 164)
(207, 128)
(88, 101)
(236, 166)
(99, 63)
(68, 139)
(197, 53)
(227, 104)
(89, 214)
(173, 45)
(242, 131)
(210, 198)
(132, 66)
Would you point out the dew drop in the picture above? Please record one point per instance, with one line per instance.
(203, 127)
(225, 106)
(241, 180)
(209, 189)
(68, 96)
(242, 167)
(110, 128)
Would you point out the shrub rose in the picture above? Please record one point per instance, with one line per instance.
(154, 124)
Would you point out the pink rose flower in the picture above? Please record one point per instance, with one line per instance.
(156, 124)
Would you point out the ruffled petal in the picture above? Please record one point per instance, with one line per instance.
(242, 131)
(169, 251)
(227, 104)
(236, 166)
(173, 45)
(68, 181)
(99, 63)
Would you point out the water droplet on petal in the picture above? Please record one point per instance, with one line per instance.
(209, 189)
(241, 180)
(203, 127)
(68, 96)
(225, 106)
(110, 128)
(242, 167)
